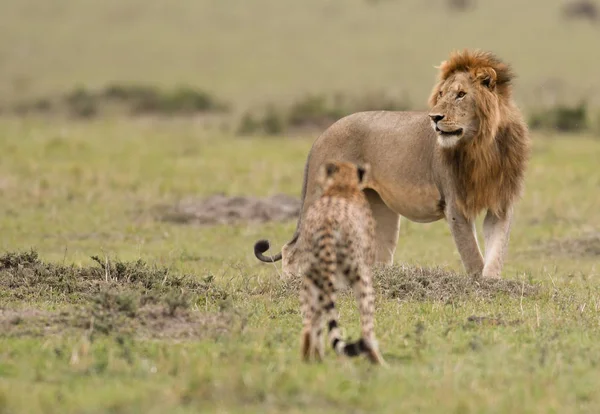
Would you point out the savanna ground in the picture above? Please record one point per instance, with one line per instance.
(111, 300)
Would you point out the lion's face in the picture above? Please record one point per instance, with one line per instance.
(457, 104)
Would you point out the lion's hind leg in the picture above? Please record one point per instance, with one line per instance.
(387, 228)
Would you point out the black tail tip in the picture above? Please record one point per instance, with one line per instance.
(354, 349)
(261, 246)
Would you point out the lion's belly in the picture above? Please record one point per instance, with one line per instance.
(421, 204)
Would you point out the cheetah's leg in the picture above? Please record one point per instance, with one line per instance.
(305, 307)
(318, 350)
(313, 319)
(328, 299)
(363, 289)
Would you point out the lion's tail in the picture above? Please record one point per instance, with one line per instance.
(261, 247)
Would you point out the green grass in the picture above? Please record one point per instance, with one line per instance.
(186, 319)
(73, 190)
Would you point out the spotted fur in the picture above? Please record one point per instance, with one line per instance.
(337, 244)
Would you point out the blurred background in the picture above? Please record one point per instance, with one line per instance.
(295, 63)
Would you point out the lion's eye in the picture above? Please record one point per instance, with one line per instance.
(461, 94)
(440, 94)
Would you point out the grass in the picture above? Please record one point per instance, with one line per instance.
(110, 301)
(76, 190)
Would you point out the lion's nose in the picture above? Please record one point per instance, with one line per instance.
(436, 117)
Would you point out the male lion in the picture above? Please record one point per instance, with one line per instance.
(466, 155)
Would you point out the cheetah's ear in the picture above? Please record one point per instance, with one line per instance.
(330, 169)
(363, 173)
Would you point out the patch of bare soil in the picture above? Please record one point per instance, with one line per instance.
(153, 322)
(29, 322)
(221, 209)
(156, 323)
(435, 284)
(491, 321)
(129, 298)
(587, 245)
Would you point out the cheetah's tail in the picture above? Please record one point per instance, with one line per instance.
(340, 347)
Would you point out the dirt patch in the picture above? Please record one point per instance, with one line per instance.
(128, 298)
(30, 322)
(156, 323)
(149, 322)
(221, 209)
(587, 245)
(491, 321)
(436, 284)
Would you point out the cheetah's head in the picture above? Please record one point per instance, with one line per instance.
(340, 173)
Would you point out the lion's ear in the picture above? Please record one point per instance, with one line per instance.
(487, 77)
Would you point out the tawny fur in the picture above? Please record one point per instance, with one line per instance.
(337, 246)
(472, 159)
(489, 170)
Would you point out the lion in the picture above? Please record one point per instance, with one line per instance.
(465, 156)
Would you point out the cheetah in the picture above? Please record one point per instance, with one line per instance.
(337, 245)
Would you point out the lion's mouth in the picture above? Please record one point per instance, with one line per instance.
(454, 133)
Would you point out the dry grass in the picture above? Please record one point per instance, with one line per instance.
(405, 283)
(112, 297)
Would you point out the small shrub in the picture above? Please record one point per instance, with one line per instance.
(81, 103)
(273, 121)
(316, 110)
(187, 100)
(12, 260)
(147, 99)
(42, 105)
(561, 118)
(129, 92)
(581, 9)
(249, 125)
(461, 5)
(133, 99)
(176, 301)
(126, 303)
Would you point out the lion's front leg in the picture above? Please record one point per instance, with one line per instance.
(465, 237)
(496, 232)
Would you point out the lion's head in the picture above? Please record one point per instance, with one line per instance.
(467, 103)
